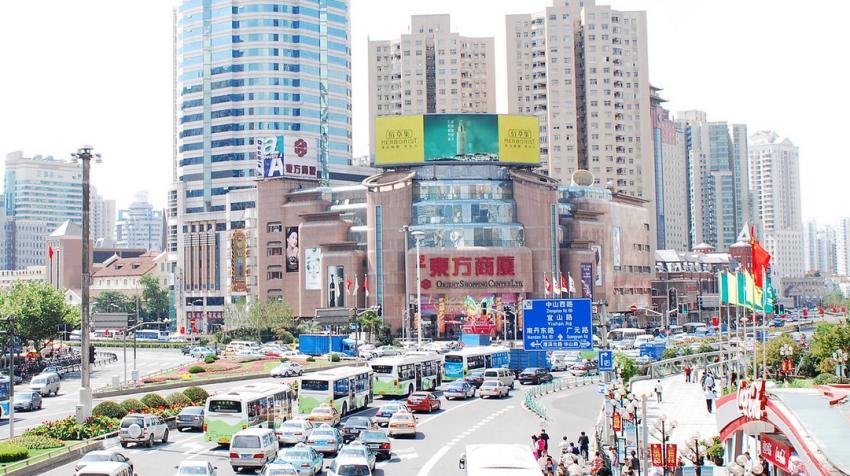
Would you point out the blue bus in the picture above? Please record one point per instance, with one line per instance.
(4, 396)
(459, 363)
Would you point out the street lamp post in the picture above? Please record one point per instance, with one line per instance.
(417, 235)
(787, 352)
(661, 431)
(85, 154)
(128, 331)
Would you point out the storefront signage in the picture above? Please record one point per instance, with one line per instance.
(752, 399)
(313, 268)
(671, 455)
(587, 280)
(451, 272)
(238, 262)
(657, 455)
(776, 451)
(617, 422)
(286, 156)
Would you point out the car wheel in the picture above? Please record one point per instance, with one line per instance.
(124, 444)
(149, 443)
(165, 437)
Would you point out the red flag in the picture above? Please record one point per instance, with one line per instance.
(563, 283)
(548, 283)
(50, 251)
(366, 284)
(761, 260)
(348, 286)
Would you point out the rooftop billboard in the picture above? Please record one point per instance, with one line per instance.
(430, 138)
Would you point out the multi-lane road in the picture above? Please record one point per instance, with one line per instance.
(436, 449)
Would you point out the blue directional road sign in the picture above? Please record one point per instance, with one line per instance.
(606, 360)
(557, 324)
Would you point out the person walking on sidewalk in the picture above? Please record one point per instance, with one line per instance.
(688, 373)
(658, 389)
(584, 446)
(615, 461)
(709, 398)
(545, 437)
(597, 464)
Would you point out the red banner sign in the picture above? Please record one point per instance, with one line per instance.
(776, 449)
(752, 399)
(656, 453)
(715, 321)
(617, 422)
(672, 457)
(467, 266)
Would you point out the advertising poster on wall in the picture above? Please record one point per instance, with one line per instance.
(615, 246)
(461, 137)
(597, 264)
(336, 292)
(313, 268)
(291, 249)
(286, 156)
(238, 259)
(587, 280)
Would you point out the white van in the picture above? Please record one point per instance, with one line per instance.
(46, 383)
(503, 375)
(253, 448)
(106, 468)
(485, 460)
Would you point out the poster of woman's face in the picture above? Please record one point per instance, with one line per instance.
(291, 249)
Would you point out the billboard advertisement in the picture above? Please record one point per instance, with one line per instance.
(312, 268)
(286, 156)
(422, 139)
(291, 249)
(336, 276)
(587, 280)
(238, 259)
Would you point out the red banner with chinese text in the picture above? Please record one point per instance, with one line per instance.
(656, 453)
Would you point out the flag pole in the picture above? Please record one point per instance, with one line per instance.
(764, 324)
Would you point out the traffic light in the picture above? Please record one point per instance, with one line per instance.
(91, 353)
(379, 310)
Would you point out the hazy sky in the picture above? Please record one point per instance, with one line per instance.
(99, 72)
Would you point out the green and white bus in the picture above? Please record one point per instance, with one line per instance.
(404, 374)
(253, 405)
(346, 388)
(459, 363)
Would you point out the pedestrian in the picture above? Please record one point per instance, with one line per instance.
(724, 382)
(550, 466)
(615, 461)
(541, 447)
(596, 464)
(562, 469)
(709, 398)
(534, 446)
(584, 446)
(574, 449)
(733, 382)
(634, 462)
(687, 373)
(765, 466)
(658, 389)
(564, 445)
(545, 437)
(709, 381)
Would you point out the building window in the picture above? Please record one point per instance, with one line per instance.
(274, 248)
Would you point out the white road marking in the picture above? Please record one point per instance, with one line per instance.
(429, 465)
(427, 420)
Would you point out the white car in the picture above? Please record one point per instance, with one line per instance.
(493, 388)
(287, 369)
(294, 431)
(201, 352)
(388, 350)
(196, 468)
(402, 423)
(142, 429)
(345, 466)
(98, 456)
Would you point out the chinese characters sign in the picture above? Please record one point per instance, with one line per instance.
(557, 324)
(672, 458)
(657, 455)
(286, 156)
(470, 272)
(617, 422)
(776, 449)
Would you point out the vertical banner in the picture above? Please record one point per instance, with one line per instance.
(615, 246)
(672, 457)
(617, 422)
(291, 249)
(597, 264)
(587, 280)
(335, 286)
(313, 268)
(238, 259)
(656, 453)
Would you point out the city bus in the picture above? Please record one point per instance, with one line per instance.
(404, 374)
(4, 397)
(253, 405)
(346, 388)
(459, 363)
(624, 338)
(151, 334)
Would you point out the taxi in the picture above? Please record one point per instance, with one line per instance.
(325, 439)
(402, 423)
(324, 413)
(306, 460)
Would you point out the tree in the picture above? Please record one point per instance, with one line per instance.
(155, 300)
(39, 311)
(370, 320)
(309, 327)
(626, 365)
(271, 315)
(112, 301)
(827, 339)
(774, 358)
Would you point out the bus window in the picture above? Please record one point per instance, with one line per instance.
(341, 388)
(382, 369)
(315, 385)
(225, 406)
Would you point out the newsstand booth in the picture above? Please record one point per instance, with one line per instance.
(798, 431)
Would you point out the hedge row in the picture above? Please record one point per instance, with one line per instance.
(139, 344)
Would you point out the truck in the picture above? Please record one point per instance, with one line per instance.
(320, 344)
(521, 359)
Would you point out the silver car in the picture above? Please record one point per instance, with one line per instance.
(294, 431)
(493, 388)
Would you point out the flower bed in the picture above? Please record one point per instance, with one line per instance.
(69, 429)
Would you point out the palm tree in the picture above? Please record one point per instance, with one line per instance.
(309, 327)
(370, 320)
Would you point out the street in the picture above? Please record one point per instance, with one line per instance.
(440, 440)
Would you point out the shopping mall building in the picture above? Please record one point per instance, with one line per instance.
(461, 193)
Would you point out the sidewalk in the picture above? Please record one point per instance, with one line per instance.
(683, 403)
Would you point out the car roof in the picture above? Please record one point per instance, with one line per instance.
(103, 466)
(194, 463)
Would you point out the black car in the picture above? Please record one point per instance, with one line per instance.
(475, 378)
(186, 349)
(27, 400)
(378, 442)
(535, 375)
(353, 426)
(191, 418)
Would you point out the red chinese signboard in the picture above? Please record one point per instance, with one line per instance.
(671, 455)
(617, 422)
(752, 399)
(444, 266)
(657, 455)
(776, 449)
(715, 321)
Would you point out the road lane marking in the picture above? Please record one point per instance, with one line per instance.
(429, 465)
(427, 420)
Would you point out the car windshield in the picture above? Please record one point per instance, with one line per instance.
(293, 424)
(225, 406)
(353, 470)
(192, 411)
(23, 396)
(323, 432)
(454, 358)
(457, 386)
(388, 409)
(402, 417)
(490, 383)
(39, 381)
(280, 472)
(348, 451)
(357, 421)
(373, 435)
(192, 469)
(126, 422)
(95, 457)
(245, 441)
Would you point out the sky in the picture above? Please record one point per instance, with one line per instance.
(99, 72)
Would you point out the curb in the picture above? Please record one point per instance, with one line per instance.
(55, 461)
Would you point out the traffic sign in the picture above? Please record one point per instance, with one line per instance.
(606, 360)
(634, 308)
(557, 324)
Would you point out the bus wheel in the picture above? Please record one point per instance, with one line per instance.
(345, 408)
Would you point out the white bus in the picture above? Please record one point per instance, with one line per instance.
(254, 405)
(151, 334)
(405, 374)
(457, 364)
(695, 328)
(346, 388)
(624, 338)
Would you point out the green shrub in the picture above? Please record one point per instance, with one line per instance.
(808, 365)
(209, 359)
(9, 453)
(335, 357)
(196, 369)
(109, 409)
(69, 429)
(826, 379)
(670, 353)
(197, 395)
(153, 400)
(134, 406)
(310, 359)
(177, 399)
(33, 442)
(284, 359)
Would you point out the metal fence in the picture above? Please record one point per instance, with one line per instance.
(534, 393)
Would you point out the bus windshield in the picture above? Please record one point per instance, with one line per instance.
(382, 369)
(454, 358)
(225, 406)
(315, 385)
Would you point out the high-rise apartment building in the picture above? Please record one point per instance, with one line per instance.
(430, 70)
(774, 169)
(103, 214)
(671, 178)
(139, 226)
(246, 69)
(820, 244)
(842, 246)
(718, 188)
(44, 189)
(582, 69)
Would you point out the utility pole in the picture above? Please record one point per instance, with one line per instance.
(417, 235)
(11, 322)
(645, 435)
(85, 154)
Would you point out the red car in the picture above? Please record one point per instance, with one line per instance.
(423, 402)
